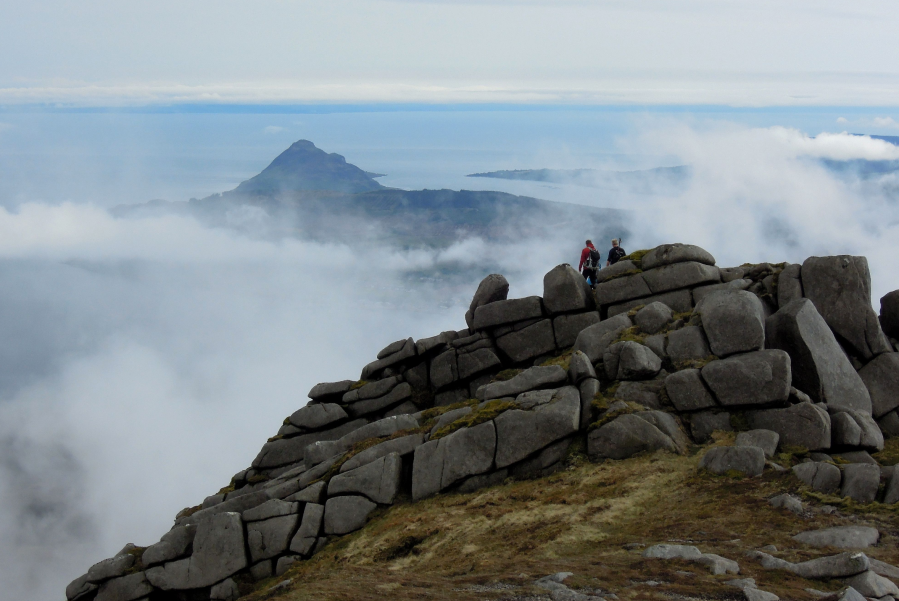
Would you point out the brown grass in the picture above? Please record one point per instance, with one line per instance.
(578, 520)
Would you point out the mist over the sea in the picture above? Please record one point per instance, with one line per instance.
(144, 361)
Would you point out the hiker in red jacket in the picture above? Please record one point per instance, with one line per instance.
(589, 262)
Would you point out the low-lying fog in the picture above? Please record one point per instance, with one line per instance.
(143, 362)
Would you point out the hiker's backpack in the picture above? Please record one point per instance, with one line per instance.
(593, 259)
(617, 254)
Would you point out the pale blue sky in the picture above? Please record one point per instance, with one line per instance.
(734, 52)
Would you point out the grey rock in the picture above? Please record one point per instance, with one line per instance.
(668, 425)
(567, 327)
(482, 481)
(79, 587)
(820, 367)
(218, 552)
(857, 457)
(530, 379)
(679, 301)
(704, 423)
(327, 389)
(594, 340)
(623, 288)
(270, 509)
(860, 482)
(718, 565)
(271, 537)
(746, 460)
(542, 463)
(680, 275)
(788, 502)
(846, 594)
(417, 376)
(321, 451)
(580, 368)
(214, 500)
(789, 285)
(672, 552)
(109, 568)
(687, 344)
(630, 361)
(479, 361)
(588, 390)
(400, 446)
(804, 424)
(883, 569)
(347, 514)
(622, 266)
(766, 440)
(842, 537)
(449, 417)
(756, 378)
(393, 347)
(644, 393)
(371, 390)
(305, 539)
(439, 464)
(565, 290)
(451, 396)
(881, 378)
(820, 476)
(657, 344)
(754, 594)
(889, 313)
(891, 491)
(378, 480)
(284, 564)
(314, 493)
(889, 424)
(493, 288)
(522, 433)
(840, 288)
(507, 311)
(529, 400)
(668, 254)
(626, 436)
(289, 451)
(396, 396)
(262, 570)
(124, 588)
(433, 343)
(653, 317)
(408, 351)
(226, 590)
(528, 343)
(856, 429)
(835, 566)
(728, 274)
(313, 417)
(733, 321)
(871, 584)
(687, 391)
(405, 408)
(703, 291)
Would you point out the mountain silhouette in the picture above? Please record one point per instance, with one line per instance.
(303, 166)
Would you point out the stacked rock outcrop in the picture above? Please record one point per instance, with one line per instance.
(668, 349)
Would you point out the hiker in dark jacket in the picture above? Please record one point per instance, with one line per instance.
(616, 254)
(589, 262)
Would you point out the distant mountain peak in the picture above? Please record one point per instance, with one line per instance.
(304, 166)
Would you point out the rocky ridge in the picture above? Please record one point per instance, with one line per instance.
(668, 349)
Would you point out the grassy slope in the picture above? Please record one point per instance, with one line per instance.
(493, 543)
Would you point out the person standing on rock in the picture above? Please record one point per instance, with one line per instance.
(616, 254)
(590, 259)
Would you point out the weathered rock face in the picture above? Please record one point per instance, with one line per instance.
(530, 379)
(378, 480)
(840, 288)
(626, 436)
(594, 340)
(507, 311)
(528, 343)
(688, 344)
(889, 314)
(441, 463)
(822, 477)
(493, 288)
(565, 290)
(630, 361)
(804, 425)
(733, 321)
(680, 275)
(747, 460)
(653, 317)
(757, 378)
(820, 367)
(881, 377)
(347, 514)
(522, 433)
(668, 254)
(688, 392)
(567, 327)
(789, 285)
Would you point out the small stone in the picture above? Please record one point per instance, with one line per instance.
(754, 594)
(860, 482)
(718, 565)
(665, 551)
(870, 584)
(788, 502)
(653, 317)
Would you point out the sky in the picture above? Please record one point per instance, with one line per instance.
(145, 361)
(734, 52)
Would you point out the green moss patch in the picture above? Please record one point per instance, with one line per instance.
(890, 453)
(694, 363)
(486, 413)
(622, 275)
(506, 374)
(631, 334)
(359, 384)
(637, 257)
(611, 415)
(633, 312)
(562, 360)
